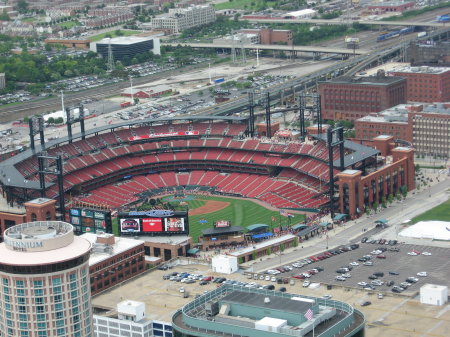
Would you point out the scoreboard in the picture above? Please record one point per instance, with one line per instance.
(154, 222)
(85, 220)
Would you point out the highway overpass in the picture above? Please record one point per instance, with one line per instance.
(306, 49)
(344, 22)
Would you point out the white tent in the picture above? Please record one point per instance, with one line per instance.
(436, 230)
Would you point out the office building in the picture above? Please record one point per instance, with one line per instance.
(44, 275)
(127, 46)
(233, 310)
(348, 98)
(272, 36)
(424, 126)
(130, 320)
(180, 19)
(425, 84)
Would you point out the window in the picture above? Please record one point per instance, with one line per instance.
(40, 317)
(38, 284)
(48, 216)
(33, 217)
(20, 284)
(56, 281)
(61, 332)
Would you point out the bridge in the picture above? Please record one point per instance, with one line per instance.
(307, 49)
(341, 22)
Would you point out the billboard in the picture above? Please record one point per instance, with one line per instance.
(86, 220)
(222, 223)
(154, 222)
(174, 224)
(130, 225)
(150, 225)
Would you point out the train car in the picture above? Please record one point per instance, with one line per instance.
(443, 18)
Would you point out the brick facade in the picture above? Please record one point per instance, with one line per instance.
(351, 98)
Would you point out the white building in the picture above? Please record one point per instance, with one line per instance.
(433, 294)
(239, 38)
(130, 321)
(307, 13)
(180, 19)
(224, 264)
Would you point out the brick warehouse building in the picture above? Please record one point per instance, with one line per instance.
(272, 36)
(346, 98)
(358, 189)
(425, 84)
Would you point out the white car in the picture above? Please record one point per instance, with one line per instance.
(267, 278)
(340, 278)
(427, 253)
(307, 275)
(354, 264)
(362, 284)
(288, 268)
(377, 283)
(368, 263)
(346, 275)
(306, 284)
(273, 279)
(412, 253)
(297, 265)
(376, 252)
(422, 273)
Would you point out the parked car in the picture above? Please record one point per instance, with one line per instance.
(393, 273)
(366, 303)
(422, 273)
(306, 284)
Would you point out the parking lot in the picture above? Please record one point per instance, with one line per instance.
(436, 265)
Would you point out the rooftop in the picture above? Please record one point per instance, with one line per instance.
(41, 243)
(274, 302)
(367, 80)
(421, 70)
(98, 254)
(125, 40)
(173, 240)
(263, 244)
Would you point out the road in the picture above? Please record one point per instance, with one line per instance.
(414, 205)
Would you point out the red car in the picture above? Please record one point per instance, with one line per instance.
(207, 278)
(299, 276)
(381, 256)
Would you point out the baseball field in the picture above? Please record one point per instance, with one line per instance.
(204, 211)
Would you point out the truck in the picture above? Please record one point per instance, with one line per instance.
(421, 34)
(219, 80)
(352, 42)
(125, 104)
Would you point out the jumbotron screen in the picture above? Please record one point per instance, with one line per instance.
(86, 220)
(154, 222)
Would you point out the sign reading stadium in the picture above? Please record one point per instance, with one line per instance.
(154, 222)
(165, 134)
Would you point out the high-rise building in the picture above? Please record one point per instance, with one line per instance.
(44, 276)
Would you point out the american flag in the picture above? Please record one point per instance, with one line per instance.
(286, 214)
(309, 314)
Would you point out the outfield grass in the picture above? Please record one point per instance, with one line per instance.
(240, 212)
(440, 212)
(113, 34)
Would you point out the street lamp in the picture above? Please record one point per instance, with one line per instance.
(131, 90)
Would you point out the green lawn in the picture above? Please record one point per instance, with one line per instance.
(68, 24)
(239, 212)
(245, 4)
(440, 212)
(113, 34)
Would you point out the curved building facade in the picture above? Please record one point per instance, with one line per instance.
(44, 281)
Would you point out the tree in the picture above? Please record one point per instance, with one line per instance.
(417, 167)
(375, 206)
(390, 198)
(118, 32)
(22, 6)
(4, 16)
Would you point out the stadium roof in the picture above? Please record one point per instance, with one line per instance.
(360, 152)
(125, 40)
(299, 226)
(222, 230)
(308, 230)
(257, 227)
(10, 176)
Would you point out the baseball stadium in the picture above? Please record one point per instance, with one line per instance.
(118, 167)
